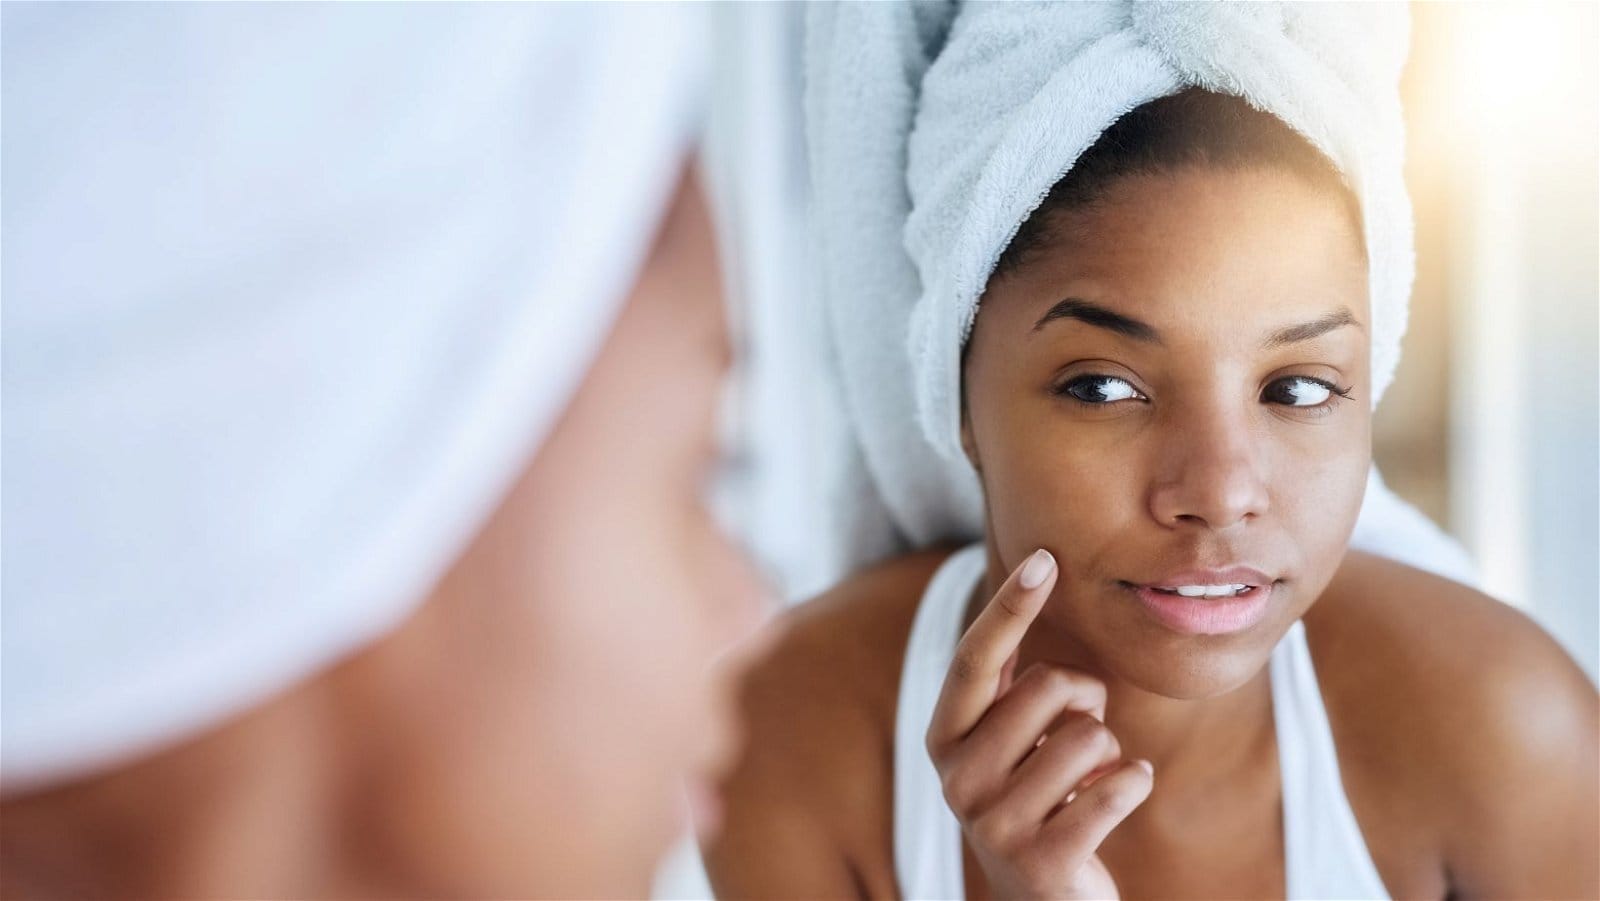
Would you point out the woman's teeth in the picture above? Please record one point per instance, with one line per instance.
(1206, 591)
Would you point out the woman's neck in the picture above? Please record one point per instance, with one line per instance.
(249, 809)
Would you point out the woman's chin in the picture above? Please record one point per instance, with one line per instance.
(1208, 676)
(1192, 667)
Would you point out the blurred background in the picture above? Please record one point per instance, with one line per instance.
(1491, 427)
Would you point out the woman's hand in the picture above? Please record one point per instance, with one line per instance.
(1028, 766)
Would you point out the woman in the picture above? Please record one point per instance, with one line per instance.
(335, 564)
(1162, 672)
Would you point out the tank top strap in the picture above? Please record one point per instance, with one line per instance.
(1325, 855)
(927, 836)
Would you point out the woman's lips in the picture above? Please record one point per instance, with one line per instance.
(1205, 615)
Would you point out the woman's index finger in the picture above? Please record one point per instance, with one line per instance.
(973, 679)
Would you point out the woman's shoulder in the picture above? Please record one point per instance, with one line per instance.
(849, 642)
(809, 803)
(1436, 653)
(1466, 719)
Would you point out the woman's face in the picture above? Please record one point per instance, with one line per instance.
(1155, 397)
(566, 689)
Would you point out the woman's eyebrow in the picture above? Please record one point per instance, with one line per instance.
(1307, 330)
(1100, 317)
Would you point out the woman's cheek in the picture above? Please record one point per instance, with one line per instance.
(1054, 489)
(1317, 497)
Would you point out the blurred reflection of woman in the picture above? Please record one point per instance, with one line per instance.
(360, 374)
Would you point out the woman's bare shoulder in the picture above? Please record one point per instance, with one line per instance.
(846, 645)
(1461, 712)
(808, 804)
(1384, 628)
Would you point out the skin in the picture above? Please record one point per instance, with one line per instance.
(528, 731)
(1439, 698)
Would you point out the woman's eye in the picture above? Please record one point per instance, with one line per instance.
(1099, 389)
(1301, 391)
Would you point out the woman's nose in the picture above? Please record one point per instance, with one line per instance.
(1210, 476)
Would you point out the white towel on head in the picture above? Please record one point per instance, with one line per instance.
(292, 294)
(937, 128)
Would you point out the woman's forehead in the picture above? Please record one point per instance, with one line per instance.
(1176, 252)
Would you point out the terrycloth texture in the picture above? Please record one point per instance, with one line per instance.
(936, 128)
(292, 295)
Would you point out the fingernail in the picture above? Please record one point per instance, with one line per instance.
(1037, 569)
(1148, 768)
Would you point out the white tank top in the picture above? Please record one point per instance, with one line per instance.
(1324, 853)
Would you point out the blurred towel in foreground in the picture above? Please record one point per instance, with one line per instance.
(291, 296)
